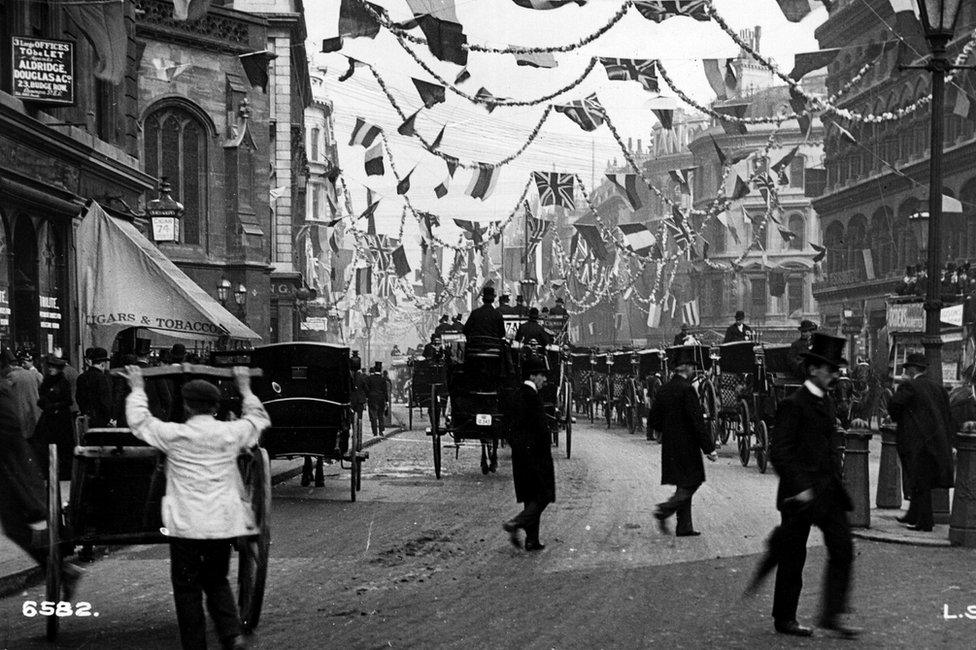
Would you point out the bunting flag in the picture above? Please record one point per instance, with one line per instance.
(555, 188)
(690, 313)
(403, 186)
(653, 315)
(427, 223)
(590, 234)
(587, 113)
(798, 102)
(437, 141)
(680, 176)
(962, 105)
(845, 134)
(400, 262)
(374, 160)
(430, 94)
(441, 190)
(765, 184)
(333, 44)
(472, 230)
(911, 40)
(355, 20)
(781, 166)
(640, 70)
(660, 10)
(722, 77)
(408, 129)
(364, 281)
(463, 76)
(536, 230)
(735, 111)
(665, 116)
(678, 226)
(806, 62)
(483, 181)
(627, 183)
(547, 4)
(638, 238)
(951, 205)
(723, 218)
(787, 235)
(741, 189)
(364, 133)
(535, 59)
(370, 215)
(353, 64)
(797, 10)
(439, 23)
(821, 253)
(485, 95)
(726, 159)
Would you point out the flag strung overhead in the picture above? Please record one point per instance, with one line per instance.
(660, 10)
(364, 133)
(690, 314)
(355, 20)
(627, 183)
(590, 234)
(431, 94)
(736, 157)
(536, 230)
(555, 188)
(535, 59)
(441, 189)
(806, 62)
(638, 238)
(374, 160)
(821, 253)
(735, 111)
(781, 166)
(353, 64)
(678, 226)
(641, 70)
(665, 116)
(439, 23)
(400, 262)
(797, 10)
(485, 95)
(472, 231)
(722, 77)
(682, 177)
(403, 186)
(483, 181)
(437, 141)
(587, 113)
(408, 128)
(547, 4)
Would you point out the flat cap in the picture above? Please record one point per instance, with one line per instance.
(200, 391)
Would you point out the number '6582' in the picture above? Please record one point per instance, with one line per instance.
(61, 608)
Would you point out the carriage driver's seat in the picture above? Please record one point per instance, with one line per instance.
(484, 363)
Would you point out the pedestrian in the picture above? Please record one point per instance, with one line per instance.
(520, 309)
(23, 498)
(94, 389)
(55, 424)
(158, 390)
(684, 335)
(71, 374)
(376, 398)
(504, 308)
(358, 396)
(485, 324)
(811, 492)
(677, 414)
(738, 331)
(801, 346)
(443, 326)
(24, 385)
(27, 363)
(205, 508)
(920, 409)
(559, 311)
(532, 468)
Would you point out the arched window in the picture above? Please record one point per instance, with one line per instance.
(882, 243)
(176, 147)
(314, 148)
(797, 165)
(906, 233)
(857, 236)
(797, 226)
(834, 243)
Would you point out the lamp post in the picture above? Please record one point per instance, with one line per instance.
(223, 291)
(164, 215)
(938, 22)
(240, 297)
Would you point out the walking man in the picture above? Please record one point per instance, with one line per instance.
(376, 395)
(532, 469)
(205, 508)
(920, 408)
(677, 413)
(811, 493)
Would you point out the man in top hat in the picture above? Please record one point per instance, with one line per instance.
(95, 394)
(532, 468)
(920, 408)
(559, 311)
(504, 308)
(376, 396)
(801, 346)
(443, 325)
(677, 414)
(811, 492)
(738, 331)
(485, 322)
(532, 329)
(205, 509)
(457, 324)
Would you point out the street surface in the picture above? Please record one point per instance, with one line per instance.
(418, 562)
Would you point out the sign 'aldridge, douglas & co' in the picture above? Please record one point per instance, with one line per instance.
(43, 70)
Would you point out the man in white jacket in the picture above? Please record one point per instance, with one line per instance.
(204, 508)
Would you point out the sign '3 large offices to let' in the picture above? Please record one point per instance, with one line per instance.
(43, 70)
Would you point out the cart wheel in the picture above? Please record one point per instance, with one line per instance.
(706, 396)
(744, 434)
(435, 430)
(569, 427)
(762, 446)
(53, 587)
(725, 429)
(252, 568)
(353, 470)
(410, 416)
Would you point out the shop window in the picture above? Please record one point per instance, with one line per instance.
(25, 303)
(759, 296)
(51, 298)
(176, 147)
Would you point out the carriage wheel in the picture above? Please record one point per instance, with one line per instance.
(569, 430)
(410, 414)
(706, 396)
(53, 586)
(252, 568)
(743, 433)
(484, 456)
(435, 433)
(762, 446)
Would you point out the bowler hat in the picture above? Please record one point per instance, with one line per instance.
(200, 391)
(740, 315)
(534, 366)
(826, 349)
(807, 326)
(96, 355)
(917, 360)
(504, 299)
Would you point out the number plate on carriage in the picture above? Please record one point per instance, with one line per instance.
(482, 420)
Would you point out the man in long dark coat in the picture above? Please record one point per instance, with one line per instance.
(811, 492)
(532, 329)
(376, 396)
(485, 322)
(677, 413)
(738, 331)
(94, 391)
(920, 408)
(532, 469)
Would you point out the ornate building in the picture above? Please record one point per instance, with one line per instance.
(875, 183)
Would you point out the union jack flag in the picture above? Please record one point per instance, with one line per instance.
(555, 188)
(642, 70)
(535, 229)
(587, 113)
(765, 184)
(679, 228)
(659, 10)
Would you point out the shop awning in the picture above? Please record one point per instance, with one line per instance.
(127, 282)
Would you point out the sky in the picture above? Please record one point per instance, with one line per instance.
(474, 135)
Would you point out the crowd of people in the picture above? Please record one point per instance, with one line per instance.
(958, 279)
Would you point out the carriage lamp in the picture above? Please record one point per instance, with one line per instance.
(164, 215)
(223, 290)
(240, 295)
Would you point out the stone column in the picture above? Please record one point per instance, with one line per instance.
(856, 478)
(889, 494)
(962, 525)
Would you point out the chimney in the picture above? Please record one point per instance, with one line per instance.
(630, 144)
(638, 145)
(755, 39)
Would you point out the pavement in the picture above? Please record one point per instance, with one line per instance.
(18, 570)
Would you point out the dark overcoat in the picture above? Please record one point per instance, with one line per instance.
(21, 482)
(531, 329)
(677, 414)
(95, 396)
(485, 322)
(920, 408)
(532, 469)
(805, 451)
(376, 389)
(55, 424)
(733, 335)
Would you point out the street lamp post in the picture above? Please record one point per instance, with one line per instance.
(938, 22)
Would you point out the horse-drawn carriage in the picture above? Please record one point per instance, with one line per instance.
(117, 486)
(652, 372)
(425, 373)
(748, 395)
(704, 381)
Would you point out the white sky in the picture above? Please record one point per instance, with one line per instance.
(474, 135)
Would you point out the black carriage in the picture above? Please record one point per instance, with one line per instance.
(652, 372)
(582, 383)
(116, 490)
(747, 400)
(704, 382)
(625, 391)
(306, 389)
(557, 393)
(425, 373)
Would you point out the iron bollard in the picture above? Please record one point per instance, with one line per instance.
(962, 525)
(940, 505)
(889, 494)
(856, 479)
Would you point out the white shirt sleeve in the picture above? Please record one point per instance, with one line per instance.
(144, 426)
(254, 420)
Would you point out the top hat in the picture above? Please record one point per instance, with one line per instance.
(533, 313)
(488, 293)
(378, 366)
(826, 349)
(96, 355)
(504, 299)
(681, 355)
(534, 366)
(917, 360)
(740, 315)
(807, 326)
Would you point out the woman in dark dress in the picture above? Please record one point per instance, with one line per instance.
(54, 425)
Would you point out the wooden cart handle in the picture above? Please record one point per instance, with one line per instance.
(190, 369)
